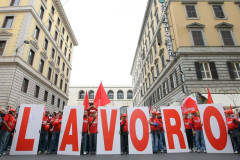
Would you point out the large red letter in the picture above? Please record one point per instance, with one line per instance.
(140, 145)
(221, 142)
(108, 135)
(22, 143)
(176, 129)
(70, 139)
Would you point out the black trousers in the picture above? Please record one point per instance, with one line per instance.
(124, 142)
(189, 138)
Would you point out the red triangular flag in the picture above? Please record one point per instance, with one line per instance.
(210, 100)
(101, 98)
(86, 101)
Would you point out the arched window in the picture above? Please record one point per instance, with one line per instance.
(129, 94)
(120, 95)
(81, 95)
(110, 94)
(91, 94)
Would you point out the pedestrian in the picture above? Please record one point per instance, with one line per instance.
(43, 141)
(92, 132)
(160, 133)
(233, 130)
(8, 126)
(56, 132)
(153, 124)
(188, 130)
(198, 132)
(85, 133)
(124, 134)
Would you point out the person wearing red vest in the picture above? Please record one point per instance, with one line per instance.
(153, 125)
(85, 132)
(124, 134)
(43, 140)
(160, 133)
(56, 132)
(198, 132)
(233, 130)
(92, 131)
(8, 126)
(188, 129)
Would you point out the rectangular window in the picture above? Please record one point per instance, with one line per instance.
(58, 21)
(58, 104)
(166, 87)
(41, 65)
(65, 51)
(155, 48)
(197, 38)
(67, 71)
(61, 83)
(61, 44)
(205, 71)
(227, 38)
(53, 53)
(69, 57)
(49, 73)
(58, 61)
(2, 47)
(53, 99)
(191, 11)
(63, 105)
(153, 78)
(49, 25)
(65, 89)
(173, 80)
(31, 57)
(67, 38)
(162, 59)
(152, 26)
(25, 85)
(52, 10)
(159, 38)
(63, 66)
(36, 33)
(56, 79)
(63, 31)
(157, 18)
(41, 12)
(45, 46)
(45, 96)
(157, 69)
(14, 2)
(151, 57)
(71, 45)
(36, 92)
(8, 22)
(56, 36)
(218, 11)
(236, 69)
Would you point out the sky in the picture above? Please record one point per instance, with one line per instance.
(107, 32)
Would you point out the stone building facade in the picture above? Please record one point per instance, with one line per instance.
(36, 47)
(184, 47)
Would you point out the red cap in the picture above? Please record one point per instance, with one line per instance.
(186, 112)
(93, 111)
(154, 112)
(124, 115)
(158, 112)
(228, 111)
(12, 110)
(193, 111)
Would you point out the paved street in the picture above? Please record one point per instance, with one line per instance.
(176, 156)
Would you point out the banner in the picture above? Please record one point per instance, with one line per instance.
(71, 131)
(175, 136)
(108, 137)
(215, 129)
(139, 138)
(28, 127)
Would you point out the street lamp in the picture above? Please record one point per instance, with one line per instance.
(24, 42)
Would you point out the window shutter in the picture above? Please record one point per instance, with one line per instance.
(159, 37)
(176, 77)
(198, 71)
(167, 86)
(213, 70)
(230, 70)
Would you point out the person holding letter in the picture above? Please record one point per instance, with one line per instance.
(124, 134)
(92, 131)
(85, 132)
(233, 130)
(160, 133)
(188, 130)
(198, 132)
(153, 124)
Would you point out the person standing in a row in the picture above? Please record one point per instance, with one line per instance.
(188, 129)
(124, 134)
(92, 132)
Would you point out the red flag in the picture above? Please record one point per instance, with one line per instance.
(86, 101)
(101, 98)
(210, 100)
(189, 103)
